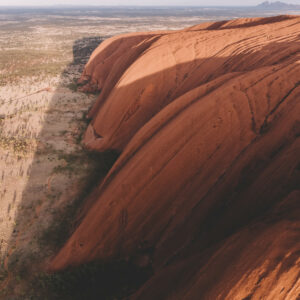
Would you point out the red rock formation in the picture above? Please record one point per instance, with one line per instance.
(261, 261)
(208, 119)
(153, 73)
(117, 52)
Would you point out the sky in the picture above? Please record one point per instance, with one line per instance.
(136, 2)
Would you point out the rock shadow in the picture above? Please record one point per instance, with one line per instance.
(59, 180)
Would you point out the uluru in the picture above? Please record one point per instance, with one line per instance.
(206, 189)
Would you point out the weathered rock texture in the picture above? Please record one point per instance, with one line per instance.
(207, 184)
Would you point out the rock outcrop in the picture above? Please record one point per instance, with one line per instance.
(207, 120)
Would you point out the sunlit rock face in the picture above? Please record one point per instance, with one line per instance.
(207, 121)
(140, 74)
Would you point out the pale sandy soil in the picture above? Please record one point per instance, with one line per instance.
(38, 132)
(45, 121)
(41, 120)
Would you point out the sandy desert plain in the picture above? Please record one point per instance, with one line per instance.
(45, 172)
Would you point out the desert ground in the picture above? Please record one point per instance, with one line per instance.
(45, 171)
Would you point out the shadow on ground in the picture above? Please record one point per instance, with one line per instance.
(52, 199)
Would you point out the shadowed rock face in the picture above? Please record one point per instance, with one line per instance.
(207, 184)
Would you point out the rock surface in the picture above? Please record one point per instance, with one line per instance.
(207, 184)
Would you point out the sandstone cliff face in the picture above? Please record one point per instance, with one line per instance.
(156, 69)
(207, 184)
(261, 261)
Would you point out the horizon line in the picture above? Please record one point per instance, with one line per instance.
(104, 5)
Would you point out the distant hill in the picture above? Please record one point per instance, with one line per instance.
(277, 5)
